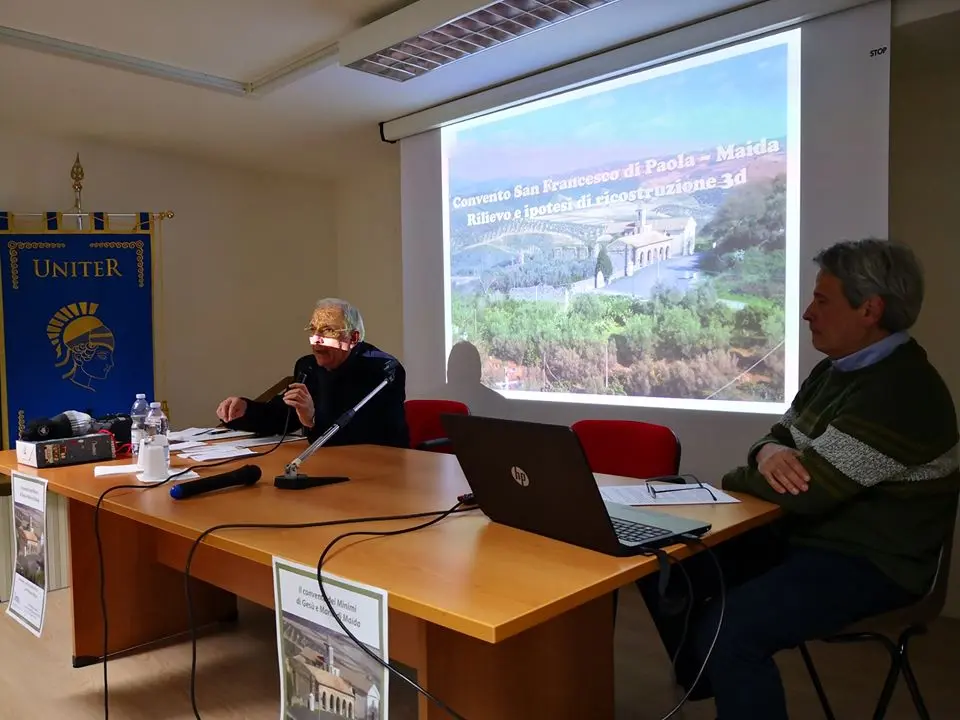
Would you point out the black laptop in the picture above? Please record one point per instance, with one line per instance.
(535, 477)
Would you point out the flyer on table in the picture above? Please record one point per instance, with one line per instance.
(28, 593)
(323, 672)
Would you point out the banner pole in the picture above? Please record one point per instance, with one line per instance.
(39, 231)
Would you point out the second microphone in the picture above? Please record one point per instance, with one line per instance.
(246, 475)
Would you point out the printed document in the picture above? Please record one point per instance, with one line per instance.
(28, 593)
(666, 494)
(323, 671)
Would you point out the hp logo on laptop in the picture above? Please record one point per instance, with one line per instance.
(520, 476)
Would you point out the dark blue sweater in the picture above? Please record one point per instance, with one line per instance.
(380, 422)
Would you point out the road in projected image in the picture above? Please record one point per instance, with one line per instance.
(631, 239)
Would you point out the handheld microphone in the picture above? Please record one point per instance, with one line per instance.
(246, 475)
(301, 378)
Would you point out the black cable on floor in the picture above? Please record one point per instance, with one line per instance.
(435, 515)
(99, 544)
(336, 616)
(693, 540)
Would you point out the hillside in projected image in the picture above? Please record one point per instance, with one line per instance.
(631, 238)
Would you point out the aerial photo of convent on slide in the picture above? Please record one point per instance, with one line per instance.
(633, 240)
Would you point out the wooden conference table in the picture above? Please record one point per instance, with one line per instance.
(498, 623)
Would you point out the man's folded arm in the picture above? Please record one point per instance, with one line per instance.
(779, 435)
(842, 462)
(827, 489)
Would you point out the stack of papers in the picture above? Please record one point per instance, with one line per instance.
(203, 444)
(207, 434)
(675, 494)
(215, 452)
(196, 445)
(186, 444)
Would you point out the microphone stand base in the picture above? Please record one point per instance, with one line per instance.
(302, 482)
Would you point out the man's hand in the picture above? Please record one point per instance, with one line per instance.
(298, 397)
(782, 468)
(231, 409)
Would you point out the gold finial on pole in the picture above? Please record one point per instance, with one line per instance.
(76, 174)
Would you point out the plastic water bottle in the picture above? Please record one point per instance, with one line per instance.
(138, 414)
(157, 429)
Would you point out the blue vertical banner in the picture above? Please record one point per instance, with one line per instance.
(77, 315)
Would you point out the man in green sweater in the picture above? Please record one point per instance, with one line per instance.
(864, 467)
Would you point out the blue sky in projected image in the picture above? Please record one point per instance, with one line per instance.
(736, 99)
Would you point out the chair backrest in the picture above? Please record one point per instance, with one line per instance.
(424, 424)
(272, 392)
(932, 604)
(629, 447)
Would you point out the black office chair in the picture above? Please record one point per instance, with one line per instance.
(914, 620)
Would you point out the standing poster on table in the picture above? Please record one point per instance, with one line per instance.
(324, 672)
(28, 593)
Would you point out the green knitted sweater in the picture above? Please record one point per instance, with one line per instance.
(880, 445)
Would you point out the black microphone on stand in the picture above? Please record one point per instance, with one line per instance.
(292, 479)
(246, 475)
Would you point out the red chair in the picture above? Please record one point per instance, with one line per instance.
(426, 428)
(629, 448)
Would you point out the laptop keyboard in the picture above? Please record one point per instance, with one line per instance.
(634, 532)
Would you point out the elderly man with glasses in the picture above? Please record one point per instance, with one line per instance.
(335, 376)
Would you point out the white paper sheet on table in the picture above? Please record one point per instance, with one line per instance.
(269, 440)
(103, 470)
(216, 452)
(187, 434)
(207, 434)
(187, 444)
(179, 472)
(133, 468)
(690, 494)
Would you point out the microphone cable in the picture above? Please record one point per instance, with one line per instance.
(99, 541)
(435, 517)
(385, 663)
(691, 541)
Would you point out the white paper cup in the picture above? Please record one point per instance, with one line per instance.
(153, 462)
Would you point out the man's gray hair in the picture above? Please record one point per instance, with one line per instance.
(352, 319)
(872, 267)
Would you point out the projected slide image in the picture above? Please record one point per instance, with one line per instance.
(630, 239)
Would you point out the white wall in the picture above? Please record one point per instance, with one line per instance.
(925, 174)
(368, 243)
(243, 260)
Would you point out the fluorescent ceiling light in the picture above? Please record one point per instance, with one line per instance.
(486, 27)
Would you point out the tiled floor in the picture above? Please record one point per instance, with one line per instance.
(238, 674)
